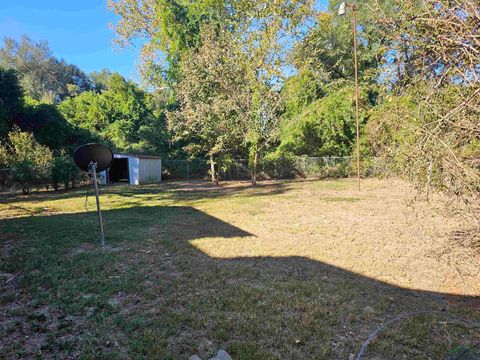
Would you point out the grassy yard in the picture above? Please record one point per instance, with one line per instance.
(287, 270)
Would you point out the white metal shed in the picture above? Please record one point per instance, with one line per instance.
(134, 169)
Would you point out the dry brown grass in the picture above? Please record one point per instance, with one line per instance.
(378, 233)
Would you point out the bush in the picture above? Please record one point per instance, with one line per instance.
(230, 168)
(278, 166)
(29, 161)
(64, 171)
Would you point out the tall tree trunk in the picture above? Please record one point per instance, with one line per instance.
(254, 170)
(212, 170)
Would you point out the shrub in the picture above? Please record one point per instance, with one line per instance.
(230, 168)
(278, 166)
(29, 161)
(64, 171)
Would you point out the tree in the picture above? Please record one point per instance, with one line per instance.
(211, 79)
(123, 115)
(225, 84)
(319, 113)
(42, 76)
(299, 91)
(47, 123)
(431, 131)
(261, 123)
(100, 79)
(327, 49)
(11, 102)
(170, 28)
(43, 120)
(326, 127)
(262, 29)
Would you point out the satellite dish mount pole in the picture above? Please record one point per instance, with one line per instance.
(93, 170)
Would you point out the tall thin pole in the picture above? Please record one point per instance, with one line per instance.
(354, 10)
(93, 169)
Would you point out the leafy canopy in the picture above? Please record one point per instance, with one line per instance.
(42, 75)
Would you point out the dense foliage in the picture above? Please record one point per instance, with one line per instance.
(29, 161)
(123, 115)
(326, 126)
(429, 128)
(11, 102)
(45, 121)
(64, 171)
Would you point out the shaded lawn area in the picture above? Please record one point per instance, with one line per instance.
(288, 270)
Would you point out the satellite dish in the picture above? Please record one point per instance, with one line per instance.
(88, 154)
(94, 158)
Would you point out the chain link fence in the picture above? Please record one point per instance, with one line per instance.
(199, 168)
(279, 167)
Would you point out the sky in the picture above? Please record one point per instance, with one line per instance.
(77, 31)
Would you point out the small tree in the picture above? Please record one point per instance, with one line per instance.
(261, 123)
(262, 32)
(211, 79)
(30, 162)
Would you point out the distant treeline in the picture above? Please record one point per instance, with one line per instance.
(63, 107)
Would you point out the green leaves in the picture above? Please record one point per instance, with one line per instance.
(42, 75)
(169, 28)
(213, 81)
(121, 113)
(325, 127)
(30, 162)
(64, 171)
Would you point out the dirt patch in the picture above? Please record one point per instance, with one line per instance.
(84, 248)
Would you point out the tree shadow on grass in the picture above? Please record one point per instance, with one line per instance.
(155, 294)
(175, 190)
(199, 190)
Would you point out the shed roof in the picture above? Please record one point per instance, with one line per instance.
(119, 156)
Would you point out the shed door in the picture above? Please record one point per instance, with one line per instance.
(150, 171)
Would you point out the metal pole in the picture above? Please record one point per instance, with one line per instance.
(354, 10)
(93, 169)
